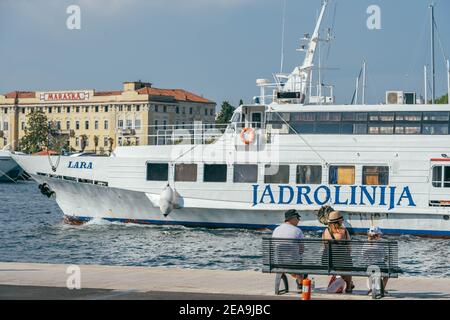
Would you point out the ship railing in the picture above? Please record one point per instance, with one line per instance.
(197, 133)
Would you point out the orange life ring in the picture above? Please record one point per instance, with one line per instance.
(248, 135)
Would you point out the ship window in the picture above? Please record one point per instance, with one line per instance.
(215, 173)
(349, 116)
(303, 116)
(302, 127)
(435, 129)
(342, 175)
(387, 116)
(276, 173)
(435, 116)
(245, 173)
(186, 172)
(408, 129)
(309, 174)
(360, 128)
(437, 177)
(441, 177)
(157, 171)
(376, 176)
(329, 116)
(377, 129)
(409, 116)
(327, 128)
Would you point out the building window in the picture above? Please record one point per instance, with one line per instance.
(58, 125)
(190, 110)
(441, 177)
(211, 112)
(184, 110)
(376, 176)
(5, 126)
(138, 108)
(137, 124)
(67, 109)
(215, 173)
(177, 109)
(120, 124)
(49, 109)
(77, 125)
(106, 124)
(59, 109)
(23, 110)
(157, 171)
(165, 109)
(86, 125)
(245, 173)
(309, 174)
(77, 109)
(96, 125)
(129, 124)
(105, 141)
(186, 172)
(164, 124)
(156, 108)
(106, 108)
(342, 175)
(206, 112)
(68, 125)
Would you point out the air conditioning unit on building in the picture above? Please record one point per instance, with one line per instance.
(395, 97)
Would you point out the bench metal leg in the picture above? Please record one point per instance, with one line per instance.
(278, 278)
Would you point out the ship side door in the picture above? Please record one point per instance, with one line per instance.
(439, 194)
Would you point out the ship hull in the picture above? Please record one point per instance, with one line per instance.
(125, 206)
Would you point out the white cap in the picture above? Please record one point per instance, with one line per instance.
(374, 231)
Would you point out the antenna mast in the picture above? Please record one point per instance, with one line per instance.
(433, 70)
(299, 78)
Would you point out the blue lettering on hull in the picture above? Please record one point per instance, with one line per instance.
(383, 196)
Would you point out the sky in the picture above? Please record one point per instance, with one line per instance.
(215, 48)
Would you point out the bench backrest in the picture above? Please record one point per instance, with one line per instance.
(330, 256)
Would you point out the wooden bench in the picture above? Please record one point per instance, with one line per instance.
(374, 259)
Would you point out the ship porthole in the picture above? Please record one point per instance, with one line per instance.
(446, 217)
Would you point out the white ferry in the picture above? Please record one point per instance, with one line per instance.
(384, 165)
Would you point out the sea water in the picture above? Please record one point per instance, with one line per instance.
(32, 230)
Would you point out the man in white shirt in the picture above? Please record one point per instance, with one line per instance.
(290, 230)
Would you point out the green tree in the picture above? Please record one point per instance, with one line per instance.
(225, 114)
(83, 141)
(96, 139)
(36, 133)
(442, 100)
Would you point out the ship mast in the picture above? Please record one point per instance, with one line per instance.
(299, 78)
(433, 70)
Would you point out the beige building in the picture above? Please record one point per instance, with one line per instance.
(132, 116)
